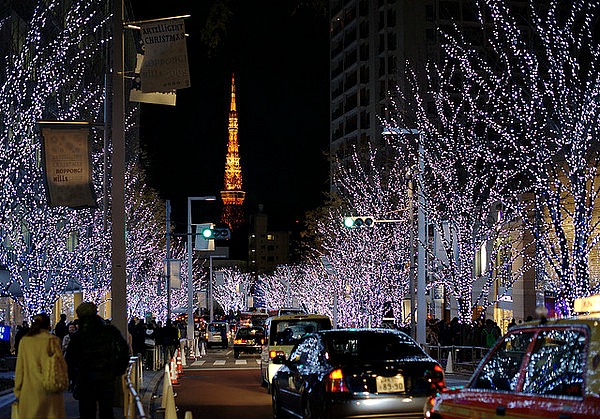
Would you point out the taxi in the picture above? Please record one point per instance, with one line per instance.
(542, 369)
(282, 333)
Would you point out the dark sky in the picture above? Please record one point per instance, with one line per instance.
(279, 53)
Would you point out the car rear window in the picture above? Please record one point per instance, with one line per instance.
(216, 327)
(289, 332)
(371, 346)
(249, 332)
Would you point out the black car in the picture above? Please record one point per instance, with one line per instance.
(248, 340)
(356, 373)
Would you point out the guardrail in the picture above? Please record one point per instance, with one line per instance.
(132, 381)
(464, 359)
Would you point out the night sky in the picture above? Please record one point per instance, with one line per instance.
(279, 53)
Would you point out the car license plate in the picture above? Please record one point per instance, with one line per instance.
(390, 384)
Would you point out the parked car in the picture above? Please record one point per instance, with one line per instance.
(281, 334)
(248, 340)
(542, 369)
(217, 334)
(356, 373)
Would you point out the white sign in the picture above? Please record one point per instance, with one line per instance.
(158, 98)
(175, 273)
(165, 67)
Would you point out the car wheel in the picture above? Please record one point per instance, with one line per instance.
(263, 382)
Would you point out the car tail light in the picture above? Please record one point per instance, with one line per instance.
(334, 382)
(273, 354)
(239, 341)
(436, 378)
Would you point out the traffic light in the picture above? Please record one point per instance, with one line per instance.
(362, 221)
(202, 242)
(216, 233)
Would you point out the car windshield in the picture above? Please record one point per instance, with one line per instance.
(289, 332)
(250, 332)
(370, 346)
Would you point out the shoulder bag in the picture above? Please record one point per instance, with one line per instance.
(55, 375)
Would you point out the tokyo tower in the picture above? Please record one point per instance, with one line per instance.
(232, 194)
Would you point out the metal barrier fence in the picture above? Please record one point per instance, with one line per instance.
(132, 381)
(464, 358)
(155, 357)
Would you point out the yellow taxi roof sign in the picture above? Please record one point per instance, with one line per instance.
(589, 304)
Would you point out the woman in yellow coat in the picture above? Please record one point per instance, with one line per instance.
(34, 401)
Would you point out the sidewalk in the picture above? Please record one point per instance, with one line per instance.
(150, 392)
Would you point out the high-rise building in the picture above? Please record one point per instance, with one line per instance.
(371, 44)
(232, 194)
(266, 248)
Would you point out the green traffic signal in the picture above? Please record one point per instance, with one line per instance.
(355, 222)
(219, 233)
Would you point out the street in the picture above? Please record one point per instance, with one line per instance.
(218, 386)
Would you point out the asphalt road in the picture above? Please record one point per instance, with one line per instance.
(218, 386)
(217, 393)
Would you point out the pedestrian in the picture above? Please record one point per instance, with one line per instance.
(490, 333)
(97, 355)
(33, 400)
(20, 332)
(72, 328)
(60, 330)
(170, 339)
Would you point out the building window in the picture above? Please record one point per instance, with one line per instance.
(270, 237)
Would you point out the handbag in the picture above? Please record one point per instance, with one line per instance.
(55, 374)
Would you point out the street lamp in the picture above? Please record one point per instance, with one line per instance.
(420, 334)
(190, 325)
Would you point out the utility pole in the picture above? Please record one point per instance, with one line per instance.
(168, 258)
(118, 257)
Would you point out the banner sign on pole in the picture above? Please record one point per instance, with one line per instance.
(158, 98)
(165, 67)
(175, 273)
(67, 167)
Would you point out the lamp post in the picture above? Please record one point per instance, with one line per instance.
(420, 333)
(190, 323)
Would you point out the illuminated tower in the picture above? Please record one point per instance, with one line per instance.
(232, 195)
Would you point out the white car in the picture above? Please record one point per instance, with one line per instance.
(281, 334)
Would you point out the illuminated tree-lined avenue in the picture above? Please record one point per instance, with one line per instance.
(495, 149)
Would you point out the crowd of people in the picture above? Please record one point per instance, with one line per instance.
(94, 353)
(481, 333)
(152, 334)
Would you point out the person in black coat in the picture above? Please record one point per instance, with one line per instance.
(97, 355)
(61, 329)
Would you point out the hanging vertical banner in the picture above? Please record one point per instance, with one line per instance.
(165, 67)
(175, 273)
(67, 167)
(136, 94)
